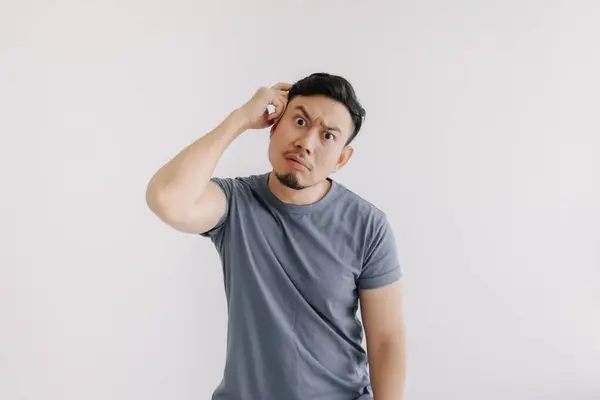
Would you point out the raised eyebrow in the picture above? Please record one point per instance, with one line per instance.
(307, 115)
(333, 128)
(303, 111)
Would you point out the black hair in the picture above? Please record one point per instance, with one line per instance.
(335, 87)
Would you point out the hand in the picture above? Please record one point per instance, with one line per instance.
(255, 113)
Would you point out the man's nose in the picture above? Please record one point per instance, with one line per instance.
(307, 141)
(302, 146)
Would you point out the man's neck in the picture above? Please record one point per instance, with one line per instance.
(301, 197)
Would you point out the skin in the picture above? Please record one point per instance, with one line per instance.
(383, 320)
(315, 129)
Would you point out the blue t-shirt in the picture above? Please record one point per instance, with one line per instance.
(292, 274)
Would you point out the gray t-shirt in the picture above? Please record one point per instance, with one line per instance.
(292, 274)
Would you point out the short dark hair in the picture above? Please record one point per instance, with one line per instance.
(335, 87)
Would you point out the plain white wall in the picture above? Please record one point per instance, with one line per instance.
(481, 142)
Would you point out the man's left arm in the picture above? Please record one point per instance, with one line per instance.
(383, 321)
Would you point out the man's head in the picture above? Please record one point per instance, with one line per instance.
(311, 139)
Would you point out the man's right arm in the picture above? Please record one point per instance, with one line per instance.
(181, 193)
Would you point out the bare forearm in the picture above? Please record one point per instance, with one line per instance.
(183, 179)
(388, 370)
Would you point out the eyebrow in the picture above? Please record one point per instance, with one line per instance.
(307, 115)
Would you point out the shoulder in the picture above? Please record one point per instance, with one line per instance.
(238, 184)
(364, 210)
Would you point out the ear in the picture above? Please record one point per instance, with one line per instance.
(344, 158)
(274, 127)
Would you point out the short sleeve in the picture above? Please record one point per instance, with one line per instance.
(381, 265)
(226, 185)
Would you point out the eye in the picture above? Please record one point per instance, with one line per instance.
(300, 121)
(329, 136)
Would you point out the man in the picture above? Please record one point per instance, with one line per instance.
(299, 251)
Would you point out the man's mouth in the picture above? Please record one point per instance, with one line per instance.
(298, 161)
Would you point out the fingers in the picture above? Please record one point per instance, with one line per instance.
(282, 97)
(278, 108)
(280, 105)
(282, 86)
(276, 99)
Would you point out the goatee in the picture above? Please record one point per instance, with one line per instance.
(290, 180)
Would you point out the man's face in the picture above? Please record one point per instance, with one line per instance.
(308, 142)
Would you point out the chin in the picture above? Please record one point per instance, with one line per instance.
(291, 179)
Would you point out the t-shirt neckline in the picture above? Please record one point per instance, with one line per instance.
(296, 208)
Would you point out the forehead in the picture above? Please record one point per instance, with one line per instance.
(330, 112)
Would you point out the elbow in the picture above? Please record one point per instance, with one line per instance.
(154, 201)
(167, 208)
(160, 206)
(157, 201)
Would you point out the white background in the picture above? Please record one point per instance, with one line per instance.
(481, 143)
